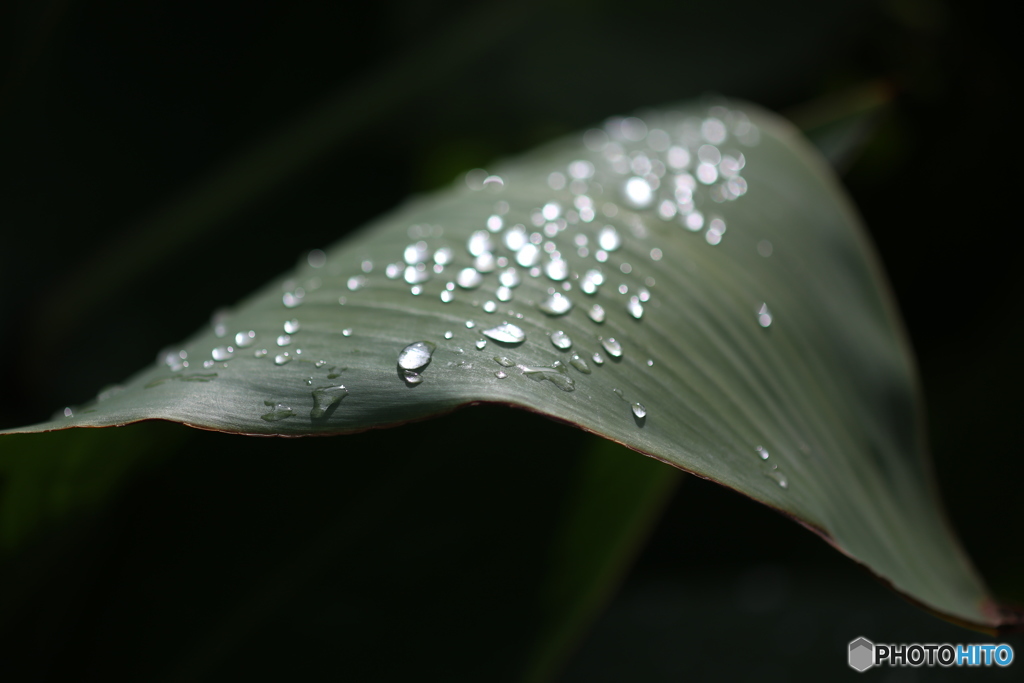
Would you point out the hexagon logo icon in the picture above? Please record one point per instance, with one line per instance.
(862, 654)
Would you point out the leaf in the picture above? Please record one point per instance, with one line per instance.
(744, 332)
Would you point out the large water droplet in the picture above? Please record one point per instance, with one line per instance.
(635, 308)
(282, 358)
(561, 340)
(579, 364)
(481, 343)
(447, 297)
(609, 238)
(503, 361)
(763, 452)
(480, 242)
(469, 278)
(244, 339)
(639, 410)
(556, 373)
(638, 192)
(443, 256)
(416, 356)
(557, 269)
(556, 304)
(596, 313)
(325, 397)
(528, 255)
(506, 333)
(516, 238)
(223, 353)
(416, 253)
(417, 274)
(449, 334)
(504, 294)
(485, 262)
(279, 411)
(613, 347)
(509, 277)
(764, 316)
(284, 340)
(68, 412)
(291, 326)
(597, 358)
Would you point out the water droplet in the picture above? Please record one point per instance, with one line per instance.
(495, 223)
(412, 377)
(618, 392)
(504, 294)
(469, 278)
(470, 324)
(490, 306)
(561, 340)
(635, 308)
(650, 363)
(366, 266)
(778, 476)
(293, 299)
(608, 238)
(481, 343)
(68, 412)
(320, 363)
(447, 297)
(528, 255)
(579, 364)
(244, 339)
(417, 274)
(279, 411)
(449, 334)
(485, 262)
(596, 313)
(644, 294)
(509, 277)
(416, 356)
(556, 373)
(506, 333)
(291, 326)
(415, 253)
(764, 248)
(282, 358)
(284, 340)
(480, 242)
(494, 183)
(557, 269)
(308, 381)
(763, 452)
(597, 358)
(443, 256)
(393, 271)
(347, 332)
(556, 304)
(207, 363)
(613, 347)
(316, 258)
(501, 374)
(764, 316)
(639, 192)
(503, 361)
(223, 353)
(325, 397)
(356, 282)
(260, 353)
(639, 410)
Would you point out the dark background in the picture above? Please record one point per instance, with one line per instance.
(119, 122)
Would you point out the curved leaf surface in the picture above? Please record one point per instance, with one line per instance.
(692, 284)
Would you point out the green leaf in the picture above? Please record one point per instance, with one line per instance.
(755, 346)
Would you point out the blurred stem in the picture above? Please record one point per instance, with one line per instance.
(612, 508)
(234, 186)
